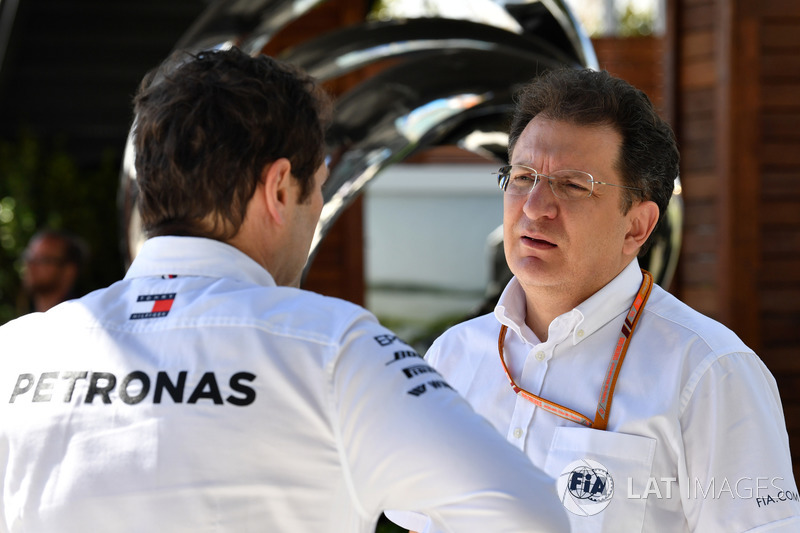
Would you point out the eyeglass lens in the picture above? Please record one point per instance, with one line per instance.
(518, 180)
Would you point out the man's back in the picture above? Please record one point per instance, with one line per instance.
(195, 395)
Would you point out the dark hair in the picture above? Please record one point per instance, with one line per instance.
(76, 251)
(648, 158)
(207, 124)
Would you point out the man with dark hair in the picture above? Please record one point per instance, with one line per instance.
(204, 391)
(53, 263)
(695, 439)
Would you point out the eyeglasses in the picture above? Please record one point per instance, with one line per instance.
(519, 180)
(43, 260)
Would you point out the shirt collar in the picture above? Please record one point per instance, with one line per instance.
(589, 316)
(511, 310)
(607, 303)
(196, 256)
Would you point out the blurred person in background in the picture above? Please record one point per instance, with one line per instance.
(53, 262)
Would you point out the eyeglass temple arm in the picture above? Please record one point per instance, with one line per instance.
(616, 185)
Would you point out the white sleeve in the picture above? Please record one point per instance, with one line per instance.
(737, 470)
(432, 355)
(411, 520)
(410, 442)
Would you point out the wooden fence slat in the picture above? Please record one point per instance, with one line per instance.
(780, 34)
(781, 359)
(702, 186)
(780, 300)
(781, 96)
(698, 74)
(780, 154)
(780, 240)
(780, 125)
(785, 213)
(697, 45)
(781, 184)
(778, 66)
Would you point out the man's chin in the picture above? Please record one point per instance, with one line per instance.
(536, 273)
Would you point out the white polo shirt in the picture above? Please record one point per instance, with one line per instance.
(195, 395)
(696, 439)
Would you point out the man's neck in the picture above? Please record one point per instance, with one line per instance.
(545, 303)
(44, 301)
(542, 309)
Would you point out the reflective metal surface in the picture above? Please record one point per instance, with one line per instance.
(439, 73)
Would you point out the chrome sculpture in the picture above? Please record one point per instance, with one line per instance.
(452, 68)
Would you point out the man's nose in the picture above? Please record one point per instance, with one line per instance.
(541, 203)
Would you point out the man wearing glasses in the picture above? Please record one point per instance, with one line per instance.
(205, 391)
(53, 262)
(650, 416)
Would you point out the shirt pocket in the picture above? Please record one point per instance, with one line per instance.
(595, 472)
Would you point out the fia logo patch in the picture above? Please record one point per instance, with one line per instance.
(585, 487)
(153, 305)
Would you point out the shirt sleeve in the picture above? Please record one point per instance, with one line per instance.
(411, 520)
(432, 355)
(737, 470)
(411, 443)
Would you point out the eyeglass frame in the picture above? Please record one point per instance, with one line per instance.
(503, 179)
(30, 259)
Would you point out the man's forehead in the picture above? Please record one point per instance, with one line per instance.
(565, 138)
(47, 242)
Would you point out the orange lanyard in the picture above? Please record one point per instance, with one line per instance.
(614, 366)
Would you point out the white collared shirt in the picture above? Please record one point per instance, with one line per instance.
(696, 438)
(195, 395)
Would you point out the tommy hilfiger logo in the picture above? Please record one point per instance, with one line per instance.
(158, 305)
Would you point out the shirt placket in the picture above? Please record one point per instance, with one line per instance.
(533, 374)
(532, 379)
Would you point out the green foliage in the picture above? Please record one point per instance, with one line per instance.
(42, 186)
(634, 23)
(379, 10)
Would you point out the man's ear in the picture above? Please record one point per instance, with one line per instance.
(276, 178)
(643, 218)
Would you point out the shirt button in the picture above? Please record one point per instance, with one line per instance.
(540, 356)
(580, 333)
(517, 433)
